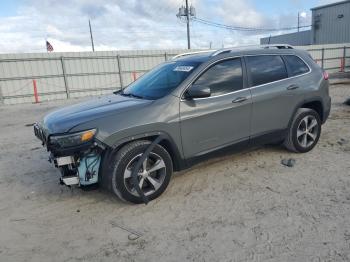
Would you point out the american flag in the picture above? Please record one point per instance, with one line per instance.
(49, 47)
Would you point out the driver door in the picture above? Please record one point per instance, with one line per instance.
(221, 119)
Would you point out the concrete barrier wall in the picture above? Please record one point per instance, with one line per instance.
(77, 74)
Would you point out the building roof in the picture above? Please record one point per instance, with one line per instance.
(329, 5)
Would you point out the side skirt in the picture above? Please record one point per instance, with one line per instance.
(256, 141)
(268, 138)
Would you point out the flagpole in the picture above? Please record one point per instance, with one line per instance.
(91, 37)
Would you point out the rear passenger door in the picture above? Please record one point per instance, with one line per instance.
(274, 94)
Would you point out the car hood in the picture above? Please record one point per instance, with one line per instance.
(66, 118)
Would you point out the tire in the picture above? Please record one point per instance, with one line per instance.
(304, 131)
(117, 169)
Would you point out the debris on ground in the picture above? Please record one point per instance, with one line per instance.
(272, 190)
(347, 102)
(288, 162)
(342, 141)
(133, 237)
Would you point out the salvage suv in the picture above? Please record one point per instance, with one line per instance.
(194, 106)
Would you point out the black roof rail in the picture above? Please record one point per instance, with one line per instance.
(278, 46)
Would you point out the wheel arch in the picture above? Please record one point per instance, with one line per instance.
(315, 105)
(312, 103)
(168, 143)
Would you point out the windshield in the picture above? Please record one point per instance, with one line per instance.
(161, 80)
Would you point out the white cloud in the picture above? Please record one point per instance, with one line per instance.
(241, 13)
(129, 24)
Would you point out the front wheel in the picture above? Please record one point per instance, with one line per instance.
(304, 132)
(153, 176)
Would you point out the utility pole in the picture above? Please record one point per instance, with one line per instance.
(298, 21)
(188, 26)
(92, 39)
(187, 12)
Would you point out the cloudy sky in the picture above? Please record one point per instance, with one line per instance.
(140, 24)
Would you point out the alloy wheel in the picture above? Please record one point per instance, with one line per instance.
(307, 131)
(150, 176)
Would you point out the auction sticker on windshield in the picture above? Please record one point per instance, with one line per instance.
(183, 68)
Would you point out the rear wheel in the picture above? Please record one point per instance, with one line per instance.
(304, 131)
(153, 177)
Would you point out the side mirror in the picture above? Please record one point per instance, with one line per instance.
(197, 91)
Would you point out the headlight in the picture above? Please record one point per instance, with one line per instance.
(73, 139)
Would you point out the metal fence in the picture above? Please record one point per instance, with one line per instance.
(332, 58)
(40, 77)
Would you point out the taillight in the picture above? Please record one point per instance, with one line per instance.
(325, 75)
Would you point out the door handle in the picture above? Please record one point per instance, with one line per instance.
(292, 87)
(239, 99)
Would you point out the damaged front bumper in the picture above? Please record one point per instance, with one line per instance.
(79, 164)
(75, 170)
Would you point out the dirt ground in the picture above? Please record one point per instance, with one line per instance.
(244, 207)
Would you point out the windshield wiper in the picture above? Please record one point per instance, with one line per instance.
(131, 95)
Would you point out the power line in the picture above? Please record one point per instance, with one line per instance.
(240, 28)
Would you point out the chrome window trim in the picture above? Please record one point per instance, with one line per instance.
(249, 88)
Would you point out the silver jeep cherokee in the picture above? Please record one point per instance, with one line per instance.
(195, 106)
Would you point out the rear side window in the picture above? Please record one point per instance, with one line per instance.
(266, 68)
(295, 65)
(223, 77)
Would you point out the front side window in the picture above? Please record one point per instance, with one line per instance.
(223, 77)
(295, 65)
(265, 68)
(161, 80)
